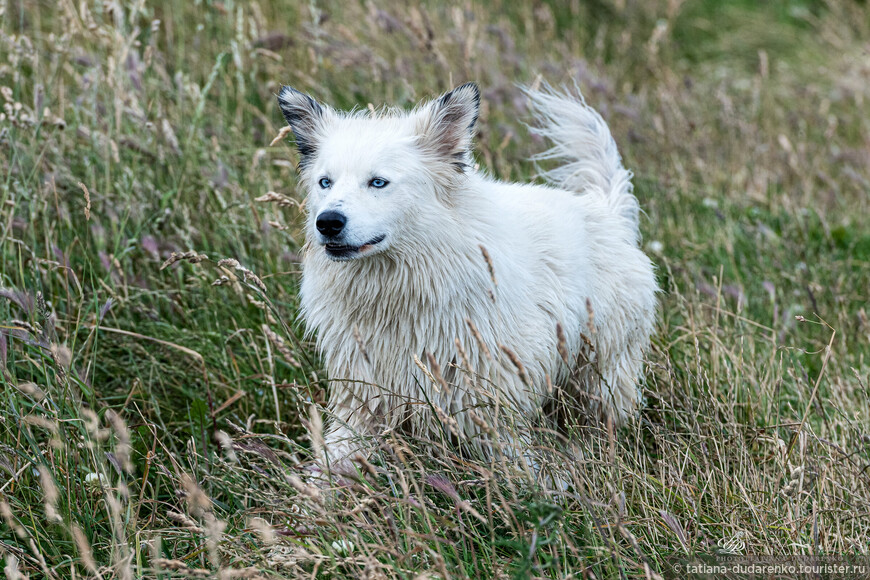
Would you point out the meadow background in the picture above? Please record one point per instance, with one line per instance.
(153, 423)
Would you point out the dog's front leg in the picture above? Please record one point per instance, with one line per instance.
(350, 423)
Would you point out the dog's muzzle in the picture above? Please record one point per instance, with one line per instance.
(348, 252)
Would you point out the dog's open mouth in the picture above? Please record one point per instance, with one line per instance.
(346, 252)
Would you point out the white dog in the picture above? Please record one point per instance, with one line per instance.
(446, 302)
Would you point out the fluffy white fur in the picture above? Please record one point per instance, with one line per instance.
(412, 281)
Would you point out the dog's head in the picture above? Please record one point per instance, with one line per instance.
(372, 178)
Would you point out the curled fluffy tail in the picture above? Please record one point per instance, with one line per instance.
(582, 140)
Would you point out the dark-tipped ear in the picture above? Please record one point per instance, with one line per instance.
(305, 116)
(447, 124)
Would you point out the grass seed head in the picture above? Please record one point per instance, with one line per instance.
(50, 494)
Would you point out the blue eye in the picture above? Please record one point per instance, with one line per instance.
(378, 182)
(324, 182)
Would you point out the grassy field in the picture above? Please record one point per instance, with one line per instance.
(154, 417)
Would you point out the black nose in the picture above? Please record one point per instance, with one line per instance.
(330, 223)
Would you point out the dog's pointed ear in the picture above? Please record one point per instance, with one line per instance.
(305, 116)
(447, 124)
